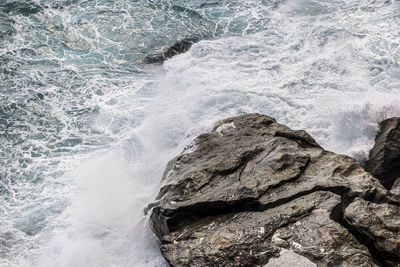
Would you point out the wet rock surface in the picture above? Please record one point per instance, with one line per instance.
(253, 192)
(384, 158)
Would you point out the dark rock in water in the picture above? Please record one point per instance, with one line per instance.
(177, 48)
(253, 192)
(384, 158)
(40, 96)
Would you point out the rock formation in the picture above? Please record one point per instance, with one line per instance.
(384, 158)
(253, 192)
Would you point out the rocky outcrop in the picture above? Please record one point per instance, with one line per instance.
(384, 158)
(253, 192)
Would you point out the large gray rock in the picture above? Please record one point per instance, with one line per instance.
(253, 192)
(384, 158)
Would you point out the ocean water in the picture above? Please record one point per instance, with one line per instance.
(86, 127)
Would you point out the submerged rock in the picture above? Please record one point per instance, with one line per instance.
(384, 158)
(253, 192)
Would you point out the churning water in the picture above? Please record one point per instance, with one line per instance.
(86, 128)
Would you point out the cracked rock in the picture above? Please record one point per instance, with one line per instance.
(252, 238)
(252, 189)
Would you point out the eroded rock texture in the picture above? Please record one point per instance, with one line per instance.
(384, 158)
(253, 192)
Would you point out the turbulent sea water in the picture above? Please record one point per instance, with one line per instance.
(86, 128)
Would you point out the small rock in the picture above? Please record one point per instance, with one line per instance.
(179, 47)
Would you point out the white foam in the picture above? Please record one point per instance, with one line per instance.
(105, 225)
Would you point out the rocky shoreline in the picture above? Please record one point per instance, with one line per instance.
(253, 192)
